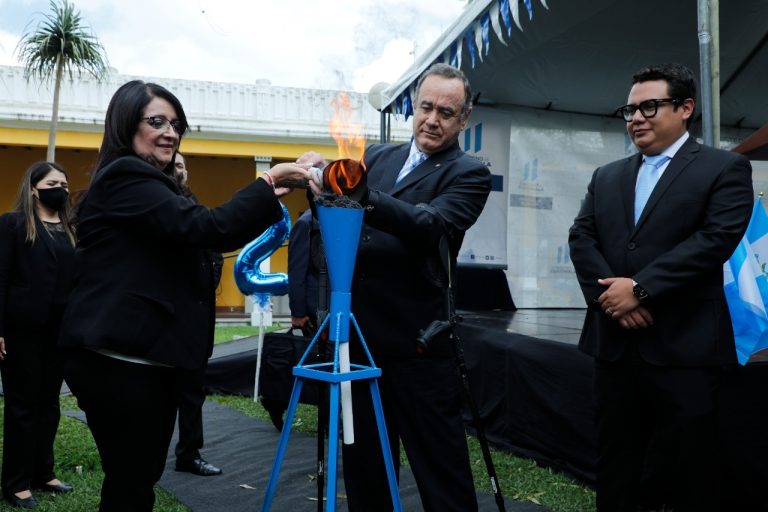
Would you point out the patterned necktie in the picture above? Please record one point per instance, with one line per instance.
(646, 180)
(413, 161)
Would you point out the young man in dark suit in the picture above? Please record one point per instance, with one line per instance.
(648, 247)
(417, 195)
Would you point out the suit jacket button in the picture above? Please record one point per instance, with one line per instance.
(366, 238)
(631, 246)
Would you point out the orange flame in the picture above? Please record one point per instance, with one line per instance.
(344, 174)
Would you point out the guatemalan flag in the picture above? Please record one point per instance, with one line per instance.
(746, 287)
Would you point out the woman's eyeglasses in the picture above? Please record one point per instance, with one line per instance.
(161, 123)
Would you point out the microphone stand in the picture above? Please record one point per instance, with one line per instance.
(322, 387)
(422, 344)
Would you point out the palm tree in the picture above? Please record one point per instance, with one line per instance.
(61, 43)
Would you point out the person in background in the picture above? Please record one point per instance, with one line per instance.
(419, 197)
(303, 274)
(141, 313)
(37, 245)
(648, 246)
(192, 395)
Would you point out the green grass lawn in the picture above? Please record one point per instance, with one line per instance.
(77, 461)
(225, 333)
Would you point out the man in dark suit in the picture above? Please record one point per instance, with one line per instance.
(192, 390)
(651, 272)
(417, 195)
(303, 274)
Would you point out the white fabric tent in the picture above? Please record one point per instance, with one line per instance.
(578, 56)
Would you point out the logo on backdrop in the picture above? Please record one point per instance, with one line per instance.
(529, 184)
(562, 261)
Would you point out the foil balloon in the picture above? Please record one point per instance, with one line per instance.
(248, 275)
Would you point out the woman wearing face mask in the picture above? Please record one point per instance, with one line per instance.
(141, 314)
(36, 260)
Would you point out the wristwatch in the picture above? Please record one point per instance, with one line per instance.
(639, 291)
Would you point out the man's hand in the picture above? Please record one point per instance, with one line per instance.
(311, 159)
(2, 348)
(300, 323)
(618, 299)
(639, 318)
(304, 324)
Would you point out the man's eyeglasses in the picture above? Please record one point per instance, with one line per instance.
(648, 108)
(161, 123)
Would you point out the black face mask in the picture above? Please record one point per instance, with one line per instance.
(53, 198)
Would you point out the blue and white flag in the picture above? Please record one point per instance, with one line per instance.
(746, 287)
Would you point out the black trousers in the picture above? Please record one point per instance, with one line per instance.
(663, 418)
(422, 405)
(131, 411)
(191, 401)
(32, 377)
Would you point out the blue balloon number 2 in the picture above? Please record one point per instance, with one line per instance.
(249, 277)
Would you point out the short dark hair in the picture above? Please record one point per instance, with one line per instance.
(681, 82)
(447, 71)
(124, 113)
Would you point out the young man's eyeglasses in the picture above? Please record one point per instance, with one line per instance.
(648, 108)
(161, 123)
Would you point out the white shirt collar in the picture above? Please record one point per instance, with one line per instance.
(413, 150)
(671, 151)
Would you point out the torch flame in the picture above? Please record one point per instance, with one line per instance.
(344, 174)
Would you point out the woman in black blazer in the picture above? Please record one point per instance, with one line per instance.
(141, 314)
(36, 254)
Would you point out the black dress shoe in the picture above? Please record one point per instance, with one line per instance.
(60, 487)
(15, 501)
(197, 467)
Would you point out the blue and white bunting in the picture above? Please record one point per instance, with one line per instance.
(477, 29)
(745, 281)
(494, 16)
(529, 7)
(505, 7)
(498, 15)
(485, 33)
(469, 37)
(514, 8)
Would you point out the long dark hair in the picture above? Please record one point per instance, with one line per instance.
(124, 113)
(26, 204)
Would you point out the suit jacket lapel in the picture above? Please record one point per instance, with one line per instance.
(628, 182)
(386, 174)
(432, 164)
(683, 157)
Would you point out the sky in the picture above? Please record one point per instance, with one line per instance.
(324, 44)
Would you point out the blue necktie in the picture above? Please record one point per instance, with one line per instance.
(646, 180)
(413, 161)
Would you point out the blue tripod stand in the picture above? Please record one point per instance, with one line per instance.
(340, 228)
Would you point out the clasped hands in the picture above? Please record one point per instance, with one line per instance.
(619, 302)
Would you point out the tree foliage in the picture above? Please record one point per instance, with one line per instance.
(59, 43)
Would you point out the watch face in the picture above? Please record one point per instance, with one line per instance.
(639, 292)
